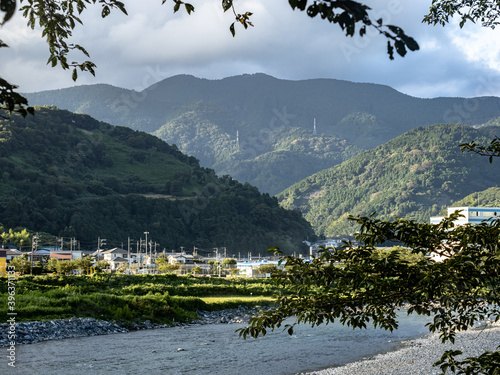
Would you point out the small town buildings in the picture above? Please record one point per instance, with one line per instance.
(333, 243)
(249, 268)
(180, 258)
(472, 215)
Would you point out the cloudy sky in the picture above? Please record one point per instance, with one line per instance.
(152, 43)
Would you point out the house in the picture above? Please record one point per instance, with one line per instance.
(12, 253)
(61, 255)
(180, 258)
(116, 252)
(116, 262)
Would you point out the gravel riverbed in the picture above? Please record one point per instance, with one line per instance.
(417, 356)
(31, 332)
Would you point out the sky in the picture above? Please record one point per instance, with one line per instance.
(152, 43)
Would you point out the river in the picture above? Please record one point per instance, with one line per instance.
(210, 349)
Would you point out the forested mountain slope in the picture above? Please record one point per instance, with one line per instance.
(486, 198)
(414, 176)
(203, 117)
(68, 174)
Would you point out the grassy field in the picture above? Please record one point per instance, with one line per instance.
(129, 298)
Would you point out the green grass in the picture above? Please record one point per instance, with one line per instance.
(130, 298)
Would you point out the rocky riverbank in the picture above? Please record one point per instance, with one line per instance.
(30, 332)
(416, 357)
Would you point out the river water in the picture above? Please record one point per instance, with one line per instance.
(210, 349)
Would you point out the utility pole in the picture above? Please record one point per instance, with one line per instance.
(73, 242)
(34, 244)
(137, 252)
(146, 233)
(128, 250)
(140, 253)
(150, 254)
(100, 242)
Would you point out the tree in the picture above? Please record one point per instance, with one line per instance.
(52, 265)
(64, 267)
(20, 238)
(84, 264)
(358, 286)
(229, 262)
(21, 264)
(101, 265)
(267, 268)
(165, 266)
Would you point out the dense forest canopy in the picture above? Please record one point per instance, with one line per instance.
(414, 176)
(68, 174)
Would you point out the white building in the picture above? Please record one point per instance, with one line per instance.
(249, 268)
(472, 215)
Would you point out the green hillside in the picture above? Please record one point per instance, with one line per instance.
(272, 162)
(413, 176)
(68, 174)
(202, 117)
(486, 198)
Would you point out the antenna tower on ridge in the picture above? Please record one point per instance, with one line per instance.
(314, 129)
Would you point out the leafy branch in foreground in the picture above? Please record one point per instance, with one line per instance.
(492, 150)
(361, 285)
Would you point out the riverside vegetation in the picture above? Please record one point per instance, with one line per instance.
(131, 299)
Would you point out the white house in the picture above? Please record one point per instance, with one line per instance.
(116, 262)
(181, 258)
(114, 253)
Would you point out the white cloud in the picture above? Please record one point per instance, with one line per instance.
(152, 43)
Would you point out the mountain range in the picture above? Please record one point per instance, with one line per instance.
(259, 129)
(325, 147)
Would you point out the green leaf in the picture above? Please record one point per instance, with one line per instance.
(9, 7)
(400, 47)
(301, 4)
(227, 4)
(231, 28)
(189, 8)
